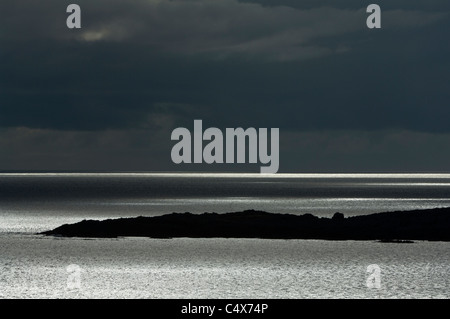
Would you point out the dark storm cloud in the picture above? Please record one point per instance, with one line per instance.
(432, 5)
(107, 96)
(143, 150)
(51, 150)
(365, 151)
(297, 67)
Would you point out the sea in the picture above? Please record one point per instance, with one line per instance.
(36, 266)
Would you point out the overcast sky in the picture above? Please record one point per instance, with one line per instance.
(107, 96)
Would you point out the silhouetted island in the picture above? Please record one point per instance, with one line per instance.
(400, 226)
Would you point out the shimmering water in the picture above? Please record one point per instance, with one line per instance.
(33, 266)
(220, 268)
(37, 202)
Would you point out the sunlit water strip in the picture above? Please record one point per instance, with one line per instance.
(237, 175)
(40, 201)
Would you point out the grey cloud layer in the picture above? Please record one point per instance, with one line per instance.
(221, 58)
(219, 27)
(140, 68)
(143, 150)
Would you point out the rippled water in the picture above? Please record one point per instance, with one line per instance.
(36, 267)
(33, 266)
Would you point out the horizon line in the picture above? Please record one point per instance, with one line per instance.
(226, 174)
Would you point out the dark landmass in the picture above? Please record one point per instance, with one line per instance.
(400, 226)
